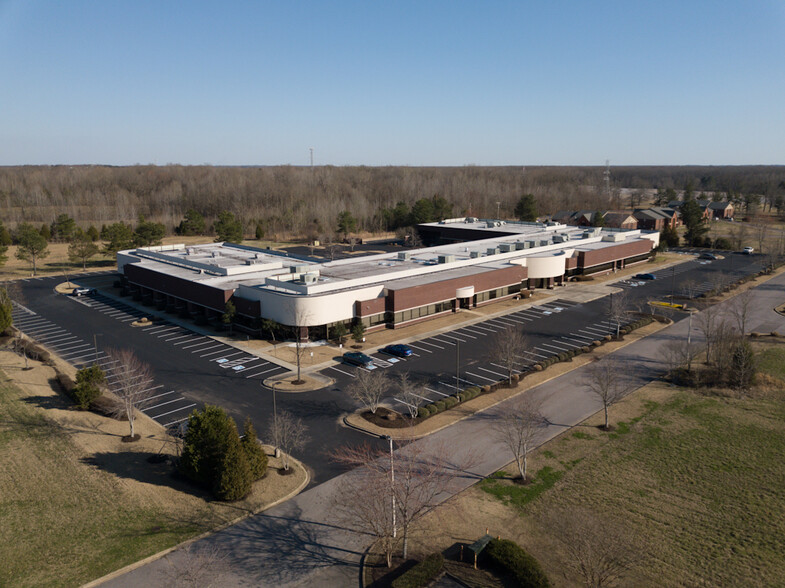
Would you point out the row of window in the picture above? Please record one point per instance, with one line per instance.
(497, 293)
(420, 311)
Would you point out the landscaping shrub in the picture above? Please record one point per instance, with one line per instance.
(422, 573)
(515, 378)
(586, 349)
(473, 392)
(449, 402)
(486, 389)
(507, 556)
(775, 334)
(563, 356)
(596, 343)
(66, 383)
(423, 412)
(538, 367)
(213, 455)
(257, 458)
(441, 404)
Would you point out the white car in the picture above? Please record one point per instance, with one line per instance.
(748, 250)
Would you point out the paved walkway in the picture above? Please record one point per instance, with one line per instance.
(298, 544)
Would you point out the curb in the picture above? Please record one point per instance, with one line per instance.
(156, 556)
(478, 411)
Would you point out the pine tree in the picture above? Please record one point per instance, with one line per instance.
(257, 458)
(526, 208)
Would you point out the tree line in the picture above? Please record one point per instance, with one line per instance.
(286, 201)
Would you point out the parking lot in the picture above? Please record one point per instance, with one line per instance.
(191, 369)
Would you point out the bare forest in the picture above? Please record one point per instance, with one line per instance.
(289, 201)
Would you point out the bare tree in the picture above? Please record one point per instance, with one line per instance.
(288, 433)
(707, 325)
(690, 288)
(203, 565)
(408, 395)
(607, 381)
(718, 283)
(740, 309)
(601, 551)
(301, 319)
(368, 388)
(507, 348)
(419, 476)
(761, 230)
(366, 501)
(517, 429)
(618, 308)
(131, 383)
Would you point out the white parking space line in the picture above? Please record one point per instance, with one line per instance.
(420, 348)
(519, 317)
(207, 342)
(169, 334)
(436, 392)
(69, 348)
(161, 404)
(537, 354)
(481, 377)
(506, 323)
(560, 347)
(38, 331)
(162, 329)
(431, 344)
(194, 338)
(158, 416)
(454, 337)
(517, 320)
(504, 367)
(216, 352)
(485, 328)
(162, 394)
(548, 352)
(478, 333)
(341, 371)
(253, 375)
(460, 331)
(440, 341)
(593, 331)
(49, 339)
(584, 337)
(177, 337)
(177, 421)
(493, 372)
(578, 341)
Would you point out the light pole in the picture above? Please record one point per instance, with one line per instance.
(457, 367)
(392, 484)
(498, 204)
(275, 420)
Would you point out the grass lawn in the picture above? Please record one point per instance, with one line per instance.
(699, 478)
(76, 503)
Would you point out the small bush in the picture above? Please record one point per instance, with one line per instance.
(441, 405)
(486, 389)
(596, 343)
(538, 367)
(775, 334)
(563, 356)
(66, 383)
(515, 378)
(755, 335)
(586, 349)
(449, 402)
(84, 394)
(422, 573)
(423, 412)
(507, 556)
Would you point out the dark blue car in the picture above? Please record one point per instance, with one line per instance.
(645, 277)
(357, 358)
(397, 350)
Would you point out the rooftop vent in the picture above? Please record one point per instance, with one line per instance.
(446, 258)
(520, 245)
(492, 251)
(475, 254)
(506, 247)
(404, 255)
(298, 269)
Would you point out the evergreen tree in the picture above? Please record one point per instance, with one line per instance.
(259, 231)
(45, 232)
(692, 216)
(597, 220)
(422, 211)
(192, 224)
(32, 245)
(257, 458)
(669, 237)
(230, 311)
(93, 233)
(526, 208)
(5, 235)
(148, 233)
(6, 310)
(119, 236)
(87, 389)
(211, 447)
(346, 223)
(227, 228)
(82, 248)
(442, 209)
(63, 228)
(358, 332)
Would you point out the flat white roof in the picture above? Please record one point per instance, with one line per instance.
(228, 265)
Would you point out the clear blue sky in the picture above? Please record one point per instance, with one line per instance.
(392, 82)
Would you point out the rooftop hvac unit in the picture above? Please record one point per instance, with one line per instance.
(310, 278)
(446, 258)
(560, 238)
(551, 224)
(475, 254)
(490, 224)
(404, 255)
(298, 269)
(492, 251)
(530, 244)
(189, 250)
(471, 219)
(216, 254)
(544, 242)
(506, 247)
(520, 245)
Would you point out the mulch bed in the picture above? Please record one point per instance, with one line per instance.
(389, 419)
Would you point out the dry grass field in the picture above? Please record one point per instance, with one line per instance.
(76, 503)
(697, 477)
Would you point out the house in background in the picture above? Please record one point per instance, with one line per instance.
(620, 220)
(651, 220)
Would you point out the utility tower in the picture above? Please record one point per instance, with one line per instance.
(311, 149)
(607, 175)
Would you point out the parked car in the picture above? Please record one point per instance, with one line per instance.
(357, 358)
(708, 256)
(748, 250)
(82, 291)
(645, 277)
(397, 350)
